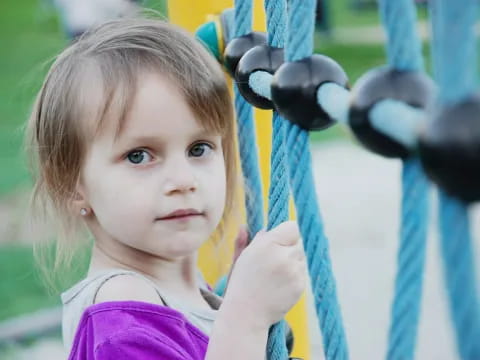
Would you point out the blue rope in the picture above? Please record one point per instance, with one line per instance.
(300, 45)
(249, 163)
(279, 191)
(404, 53)
(411, 263)
(301, 23)
(454, 50)
(276, 14)
(456, 245)
(243, 17)
(404, 48)
(455, 71)
(335, 100)
(277, 213)
(405, 131)
(246, 135)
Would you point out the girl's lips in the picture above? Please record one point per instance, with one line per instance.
(182, 214)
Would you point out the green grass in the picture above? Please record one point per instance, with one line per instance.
(157, 5)
(344, 14)
(22, 289)
(29, 37)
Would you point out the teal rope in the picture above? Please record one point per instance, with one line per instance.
(249, 164)
(300, 45)
(246, 135)
(276, 14)
(335, 101)
(405, 311)
(279, 191)
(277, 213)
(404, 48)
(243, 17)
(404, 53)
(454, 48)
(456, 245)
(454, 57)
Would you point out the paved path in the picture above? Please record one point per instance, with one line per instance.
(360, 197)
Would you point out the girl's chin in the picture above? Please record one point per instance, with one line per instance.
(181, 245)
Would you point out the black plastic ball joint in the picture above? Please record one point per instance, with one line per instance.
(411, 87)
(237, 47)
(260, 58)
(294, 90)
(449, 148)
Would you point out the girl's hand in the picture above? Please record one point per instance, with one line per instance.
(269, 276)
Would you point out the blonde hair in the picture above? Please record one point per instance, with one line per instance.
(57, 135)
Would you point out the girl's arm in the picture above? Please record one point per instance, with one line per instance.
(267, 280)
(236, 335)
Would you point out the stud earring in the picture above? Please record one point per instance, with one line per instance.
(83, 211)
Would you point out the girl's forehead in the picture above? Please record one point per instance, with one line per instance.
(160, 107)
(142, 128)
(146, 104)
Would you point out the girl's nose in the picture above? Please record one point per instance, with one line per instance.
(180, 178)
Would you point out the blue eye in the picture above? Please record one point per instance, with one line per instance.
(138, 156)
(200, 149)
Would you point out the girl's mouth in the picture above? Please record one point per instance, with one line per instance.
(182, 214)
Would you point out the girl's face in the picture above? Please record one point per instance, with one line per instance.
(159, 187)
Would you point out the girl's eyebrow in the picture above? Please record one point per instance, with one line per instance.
(150, 139)
(140, 139)
(126, 142)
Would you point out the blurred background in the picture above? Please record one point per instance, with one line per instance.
(32, 32)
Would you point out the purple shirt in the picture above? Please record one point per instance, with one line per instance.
(136, 330)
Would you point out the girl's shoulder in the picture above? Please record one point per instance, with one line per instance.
(129, 286)
(118, 285)
(136, 330)
(85, 293)
(112, 285)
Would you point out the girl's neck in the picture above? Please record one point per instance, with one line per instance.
(178, 275)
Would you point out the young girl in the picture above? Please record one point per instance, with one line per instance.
(133, 136)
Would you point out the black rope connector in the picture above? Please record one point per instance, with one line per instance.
(411, 87)
(295, 86)
(237, 47)
(260, 58)
(449, 148)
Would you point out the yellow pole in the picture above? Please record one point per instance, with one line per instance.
(190, 15)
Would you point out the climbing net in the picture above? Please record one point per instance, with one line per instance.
(396, 111)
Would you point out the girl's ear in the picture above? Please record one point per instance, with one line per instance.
(79, 199)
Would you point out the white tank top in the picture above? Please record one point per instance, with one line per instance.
(82, 295)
